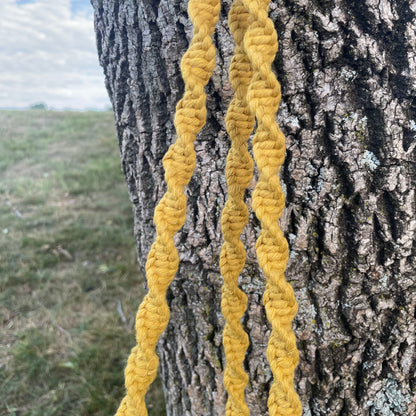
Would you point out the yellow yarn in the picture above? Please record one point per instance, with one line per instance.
(239, 171)
(179, 163)
(260, 42)
(257, 93)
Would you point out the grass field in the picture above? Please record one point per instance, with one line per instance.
(67, 266)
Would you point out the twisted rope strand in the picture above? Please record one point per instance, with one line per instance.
(179, 163)
(239, 171)
(264, 95)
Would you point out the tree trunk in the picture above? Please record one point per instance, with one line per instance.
(348, 76)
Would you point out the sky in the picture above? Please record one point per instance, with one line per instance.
(48, 54)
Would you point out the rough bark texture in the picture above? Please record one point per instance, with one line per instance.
(348, 75)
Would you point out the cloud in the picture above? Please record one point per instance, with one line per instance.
(48, 54)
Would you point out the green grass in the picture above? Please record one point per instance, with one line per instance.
(67, 259)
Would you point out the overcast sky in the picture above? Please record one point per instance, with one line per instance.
(48, 54)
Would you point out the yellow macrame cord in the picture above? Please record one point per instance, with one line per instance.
(179, 163)
(263, 96)
(239, 172)
(257, 95)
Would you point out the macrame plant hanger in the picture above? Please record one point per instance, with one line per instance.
(257, 96)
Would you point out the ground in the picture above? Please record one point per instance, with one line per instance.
(69, 280)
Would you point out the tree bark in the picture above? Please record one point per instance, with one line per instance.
(348, 111)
